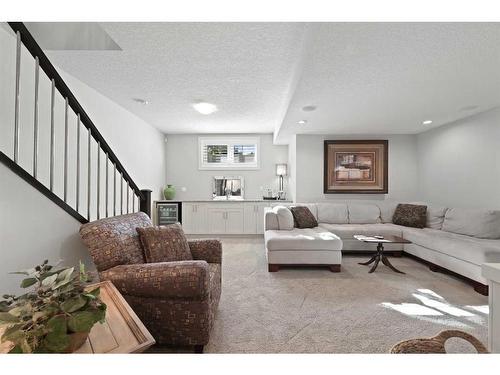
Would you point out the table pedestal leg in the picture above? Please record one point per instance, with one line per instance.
(380, 256)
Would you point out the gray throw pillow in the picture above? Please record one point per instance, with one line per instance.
(410, 215)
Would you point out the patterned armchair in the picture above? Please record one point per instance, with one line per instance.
(176, 301)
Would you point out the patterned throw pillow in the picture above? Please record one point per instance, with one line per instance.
(164, 244)
(303, 217)
(410, 215)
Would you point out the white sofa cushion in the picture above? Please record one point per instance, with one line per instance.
(470, 249)
(302, 239)
(387, 209)
(360, 213)
(347, 231)
(475, 223)
(270, 219)
(333, 213)
(285, 217)
(435, 217)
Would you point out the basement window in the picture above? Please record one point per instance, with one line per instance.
(217, 153)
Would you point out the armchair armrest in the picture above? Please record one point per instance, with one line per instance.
(185, 279)
(207, 250)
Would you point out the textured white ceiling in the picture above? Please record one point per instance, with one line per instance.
(364, 78)
(372, 78)
(243, 68)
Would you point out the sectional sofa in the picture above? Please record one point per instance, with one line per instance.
(454, 239)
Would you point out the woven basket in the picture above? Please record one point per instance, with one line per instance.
(435, 344)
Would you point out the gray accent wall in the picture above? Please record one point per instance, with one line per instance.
(309, 168)
(459, 163)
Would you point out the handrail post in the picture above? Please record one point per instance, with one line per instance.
(145, 204)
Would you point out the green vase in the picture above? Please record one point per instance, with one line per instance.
(169, 192)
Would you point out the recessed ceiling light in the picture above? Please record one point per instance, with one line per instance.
(427, 122)
(309, 108)
(141, 101)
(302, 122)
(205, 108)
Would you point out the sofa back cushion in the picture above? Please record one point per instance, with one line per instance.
(410, 215)
(364, 213)
(333, 213)
(435, 217)
(473, 222)
(387, 209)
(285, 218)
(164, 244)
(114, 241)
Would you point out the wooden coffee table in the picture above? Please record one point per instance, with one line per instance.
(122, 332)
(380, 255)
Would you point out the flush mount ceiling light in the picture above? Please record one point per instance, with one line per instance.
(141, 101)
(309, 108)
(427, 122)
(204, 108)
(302, 122)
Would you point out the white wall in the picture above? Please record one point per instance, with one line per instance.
(182, 167)
(459, 163)
(32, 228)
(292, 168)
(309, 168)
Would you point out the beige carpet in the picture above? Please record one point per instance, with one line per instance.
(316, 311)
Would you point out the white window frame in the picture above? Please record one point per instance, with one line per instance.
(230, 142)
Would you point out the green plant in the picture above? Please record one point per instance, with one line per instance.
(57, 310)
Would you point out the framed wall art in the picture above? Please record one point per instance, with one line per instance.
(356, 166)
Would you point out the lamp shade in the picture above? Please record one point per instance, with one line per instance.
(280, 169)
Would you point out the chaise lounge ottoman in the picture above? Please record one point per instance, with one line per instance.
(300, 247)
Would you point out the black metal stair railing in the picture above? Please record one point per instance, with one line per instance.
(134, 200)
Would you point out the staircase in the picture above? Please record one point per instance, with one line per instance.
(67, 160)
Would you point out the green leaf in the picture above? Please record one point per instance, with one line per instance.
(83, 321)
(16, 350)
(73, 304)
(57, 339)
(49, 281)
(4, 306)
(95, 292)
(5, 317)
(28, 282)
(13, 333)
(65, 273)
(64, 277)
(42, 314)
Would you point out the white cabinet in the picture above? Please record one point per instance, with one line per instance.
(223, 217)
(234, 221)
(254, 217)
(226, 218)
(194, 218)
(216, 218)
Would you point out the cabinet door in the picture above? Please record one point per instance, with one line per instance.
(189, 218)
(250, 218)
(201, 218)
(216, 220)
(260, 217)
(234, 221)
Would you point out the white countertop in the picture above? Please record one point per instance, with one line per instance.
(491, 271)
(226, 201)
